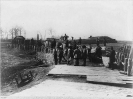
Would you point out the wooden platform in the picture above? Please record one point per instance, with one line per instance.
(81, 70)
(110, 79)
(98, 74)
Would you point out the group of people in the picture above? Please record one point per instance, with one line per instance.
(73, 55)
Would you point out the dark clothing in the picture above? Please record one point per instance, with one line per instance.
(112, 59)
(84, 56)
(60, 55)
(98, 55)
(84, 61)
(89, 54)
(76, 62)
(66, 43)
(70, 56)
(112, 56)
(77, 55)
(55, 56)
(99, 51)
(84, 53)
(70, 53)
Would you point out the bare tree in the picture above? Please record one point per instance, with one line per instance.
(17, 31)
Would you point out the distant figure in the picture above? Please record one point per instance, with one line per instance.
(60, 54)
(89, 53)
(112, 58)
(98, 54)
(104, 41)
(97, 40)
(84, 55)
(65, 37)
(72, 37)
(80, 40)
(70, 56)
(76, 56)
(55, 55)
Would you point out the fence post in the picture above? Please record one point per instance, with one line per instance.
(125, 65)
(129, 67)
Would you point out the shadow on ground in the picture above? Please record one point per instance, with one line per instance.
(128, 85)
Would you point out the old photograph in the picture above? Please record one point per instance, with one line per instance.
(66, 49)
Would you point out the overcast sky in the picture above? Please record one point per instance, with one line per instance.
(75, 18)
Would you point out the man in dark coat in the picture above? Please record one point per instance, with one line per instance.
(60, 54)
(55, 55)
(84, 55)
(112, 58)
(70, 55)
(98, 54)
(76, 54)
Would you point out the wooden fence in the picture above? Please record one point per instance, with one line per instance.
(124, 60)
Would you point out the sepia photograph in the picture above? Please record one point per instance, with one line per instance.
(66, 49)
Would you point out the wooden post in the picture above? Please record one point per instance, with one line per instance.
(125, 65)
(129, 67)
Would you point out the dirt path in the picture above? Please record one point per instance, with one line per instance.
(75, 86)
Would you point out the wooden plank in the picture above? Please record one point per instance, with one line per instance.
(105, 79)
(110, 79)
(80, 70)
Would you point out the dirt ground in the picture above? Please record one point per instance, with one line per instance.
(13, 62)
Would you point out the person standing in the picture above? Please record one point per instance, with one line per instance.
(76, 56)
(60, 54)
(98, 54)
(55, 56)
(112, 58)
(89, 53)
(70, 55)
(84, 55)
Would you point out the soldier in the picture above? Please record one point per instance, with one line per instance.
(84, 55)
(70, 55)
(60, 54)
(55, 55)
(111, 58)
(98, 54)
(76, 56)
